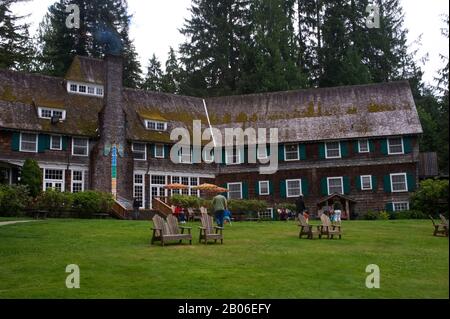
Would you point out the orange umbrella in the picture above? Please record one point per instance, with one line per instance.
(206, 187)
(176, 186)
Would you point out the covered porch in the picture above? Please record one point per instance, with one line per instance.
(347, 203)
(9, 173)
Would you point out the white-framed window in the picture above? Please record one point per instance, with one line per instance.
(85, 89)
(158, 180)
(234, 190)
(264, 188)
(139, 189)
(366, 182)
(159, 151)
(399, 182)
(208, 157)
(47, 113)
(28, 142)
(54, 179)
(267, 214)
(77, 181)
(395, 146)
(335, 185)
(363, 146)
(291, 152)
(333, 150)
(56, 142)
(261, 152)
(400, 206)
(233, 156)
(139, 151)
(184, 155)
(80, 146)
(185, 181)
(156, 125)
(293, 187)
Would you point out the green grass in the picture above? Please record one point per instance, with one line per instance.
(257, 260)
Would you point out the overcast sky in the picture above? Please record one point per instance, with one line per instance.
(155, 26)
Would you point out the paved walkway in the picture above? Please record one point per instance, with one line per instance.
(15, 222)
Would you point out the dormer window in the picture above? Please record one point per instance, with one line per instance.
(48, 114)
(85, 89)
(156, 125)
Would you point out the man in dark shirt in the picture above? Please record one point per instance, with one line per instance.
(300, 205)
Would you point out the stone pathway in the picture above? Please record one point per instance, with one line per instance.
(15, 222)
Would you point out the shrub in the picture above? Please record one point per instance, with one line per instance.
(247, 206)
(13, 200)
(85, 204)
(289, 206)
(55, 202)
(31, 176)
(371, 215)
(383, 215)
(408, 214)
(185, 201)
(431, 197)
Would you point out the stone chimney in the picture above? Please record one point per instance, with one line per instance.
(112, 131)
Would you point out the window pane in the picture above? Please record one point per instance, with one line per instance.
(56, 142)
(73, 87)
(139, 150)
(335, 186)
(99, 91)
(293, 188)
(234, 191)
(80, 146)
(366, 182)
(159, 150)
(54, 174)
(363, 146)
(28, 142)
(264, 188)
(82, 88)
(158, 179)
(399, 182)
(291, 152)
(395, 145)
(160, 126)
(91, 90)
(401, 206)
(46, 113)
(333, 149)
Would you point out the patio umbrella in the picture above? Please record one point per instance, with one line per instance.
(210, 188)
(176, 186)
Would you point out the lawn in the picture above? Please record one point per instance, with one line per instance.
(257, 260)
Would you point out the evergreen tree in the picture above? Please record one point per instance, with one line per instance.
(171, 78)
(15, 46)
(212, 50)
(153, 79)
(31, 176)
(102, 23)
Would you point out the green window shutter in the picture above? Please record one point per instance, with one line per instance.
(43, 142)
(407, 146)
(64, 140)
(152, 150)
(223, 156)
(374, 183)
(302, 151)
(384, 146)
(371, 146)
(344, 149)
(257, 188)
(270, 187)
(268, 149)
(305, 187)
(323, 186)
(346, 185)
(387, 183)
(280, 152)
(355, 147)
(411, 182)
(283, 189)
(321, 150)
(244, 190)
(15, 142)
(166, 151)
(389, 207)
(358, 182)
(245, 159)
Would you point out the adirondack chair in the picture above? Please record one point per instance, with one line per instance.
(209, 231)
(439, 228)
(169, 230)
(327, 229)
(190, 214)
(305, 228)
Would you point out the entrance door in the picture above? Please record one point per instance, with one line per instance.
(157, 183)
(5, 175)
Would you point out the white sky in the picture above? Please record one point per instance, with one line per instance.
(155, 26)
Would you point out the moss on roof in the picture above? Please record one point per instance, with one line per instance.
(374, 108)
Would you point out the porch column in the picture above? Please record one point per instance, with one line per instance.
(347, 208)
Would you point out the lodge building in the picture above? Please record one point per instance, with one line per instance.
(357, 143)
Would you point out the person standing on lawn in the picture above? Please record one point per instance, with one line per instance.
(300, 205)
(136, 207)
(219, 204)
